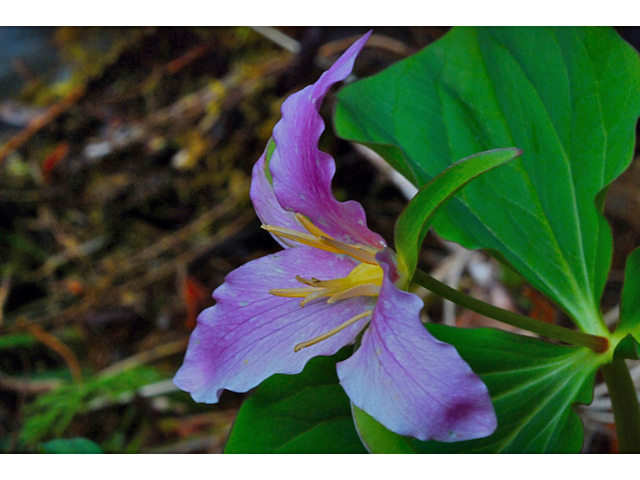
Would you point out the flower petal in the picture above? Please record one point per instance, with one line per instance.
(266, 205)
(411, 382)
(302, 174)
(250, 334)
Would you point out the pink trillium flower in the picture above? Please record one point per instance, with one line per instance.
(334, 279)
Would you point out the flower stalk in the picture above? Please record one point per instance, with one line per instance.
(624, 403)
(597, 344)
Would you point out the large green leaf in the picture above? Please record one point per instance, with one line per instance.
(304, 413)
(533, 385)
(568, 97)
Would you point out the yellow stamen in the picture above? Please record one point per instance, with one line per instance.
(331, 332)
(306, 223)
(355, 251)
(300, 237)
(314, 296)
(291, 292)
(364, 279)
(319, 239)
(369, 289)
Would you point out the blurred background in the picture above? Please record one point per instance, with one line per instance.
(125, 163)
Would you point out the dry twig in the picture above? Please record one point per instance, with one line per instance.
(43, 120)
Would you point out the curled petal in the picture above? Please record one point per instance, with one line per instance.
(250, 334)
(266, 205)
(411, 382)
(302, 174)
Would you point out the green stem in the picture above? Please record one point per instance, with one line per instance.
(624, 402)
(598, 344)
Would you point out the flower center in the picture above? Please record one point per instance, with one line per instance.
(364, 279)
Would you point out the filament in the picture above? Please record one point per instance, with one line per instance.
(318, 239)
(306, 223)
(331, 332)
(300, 237)
(368, 289)
(355, 251)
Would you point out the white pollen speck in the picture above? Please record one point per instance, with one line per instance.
(244, 304)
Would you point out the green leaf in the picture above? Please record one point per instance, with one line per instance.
(304, 413)
(416, 219)
(376, 437)
(628, 329)
(630, 305)
(533, 385)
(568, 97)
(628, 347)
(70, 445)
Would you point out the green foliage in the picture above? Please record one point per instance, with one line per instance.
(304, 413)
(628, 347)
(534, 386)
(629, 325)
(51, 413)
(630, 306)
(70, 445)
(416, 219)
(376, 437)
(568, 97)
